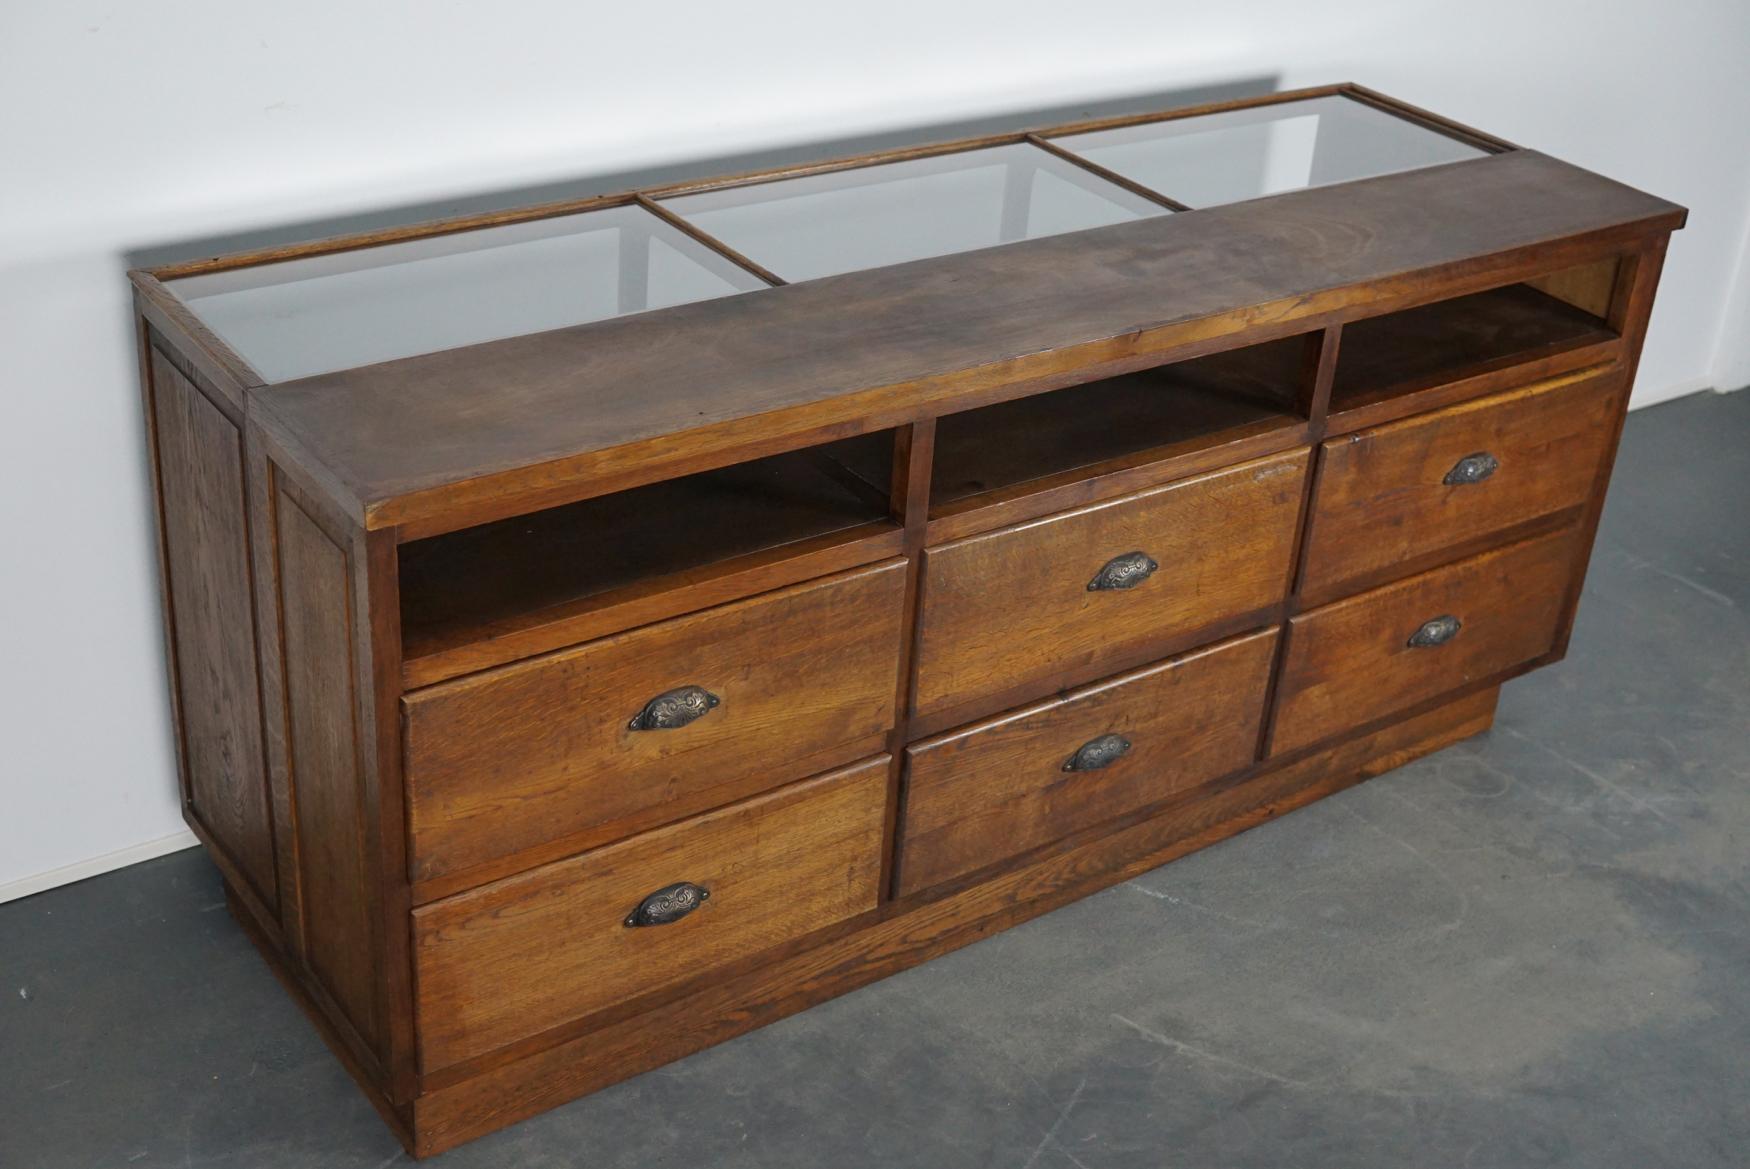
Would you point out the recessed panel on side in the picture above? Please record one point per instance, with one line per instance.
(334, 869)
(212, 614)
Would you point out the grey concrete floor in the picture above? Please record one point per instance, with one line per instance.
(1531, 949)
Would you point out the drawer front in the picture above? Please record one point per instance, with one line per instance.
(979, 795)
(1026, 603)
(520, 956)
(1382, 651)
(655, 724)
(1393, 494)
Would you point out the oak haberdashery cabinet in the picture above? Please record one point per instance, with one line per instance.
(599, 629)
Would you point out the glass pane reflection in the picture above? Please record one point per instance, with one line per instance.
(872, 216)
(323, 313)
(1242, 154)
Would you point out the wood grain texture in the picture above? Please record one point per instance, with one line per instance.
(1382, 498)
(919, 930)
(216, 362)
(980, 795)
(644, 602)
(515, 758)
(1013, 605)
(411, 437)
(521, 955)
(1588, 287)
(1109, 422)
(1349, 663)
(1452, 339)
(471, 568)
(212, 619)
(537, 571)
(1152, 467)
(264, 560)
(1473, 384)
(340, 932)
(377, 691)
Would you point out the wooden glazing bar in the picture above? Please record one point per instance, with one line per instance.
(709, 240)
(1113, 177)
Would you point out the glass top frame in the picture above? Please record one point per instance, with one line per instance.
(340, 310)
(807, 227)
(1229, 156)
(171, 283)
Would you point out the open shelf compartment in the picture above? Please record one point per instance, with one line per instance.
(491, 593)
(1400, 354)
(992, 453)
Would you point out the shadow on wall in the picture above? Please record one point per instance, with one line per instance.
(586, 185)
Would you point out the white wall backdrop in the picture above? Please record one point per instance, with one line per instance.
(141, 131)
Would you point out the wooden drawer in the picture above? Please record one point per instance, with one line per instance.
(995, 789)
(1401, 493)
(1370, 655)
(799, 680)
(1019, 605)
(522, 955)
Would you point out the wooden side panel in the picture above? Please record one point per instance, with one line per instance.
(212, 616)
(334, 871)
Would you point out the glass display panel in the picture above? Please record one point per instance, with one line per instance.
(1243, 154)
(314, 315)
(872, 216)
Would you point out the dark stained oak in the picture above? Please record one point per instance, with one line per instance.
(1352, 662)
(983, 794)
(1453, 339)
(333, 865)
(1588, 287)
(513, 576)
(1384, 496)
(458, 1111)
(485, 428)
(765, 622)
(534, 951)
(212, 614)
(1015, 604)
(1089, 428)
(543, 750)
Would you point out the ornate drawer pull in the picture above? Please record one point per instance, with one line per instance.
(1123, 572)
(1435, 631)
(1472, 469)
(674, 708)
(669, 904)
(1097, 753)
